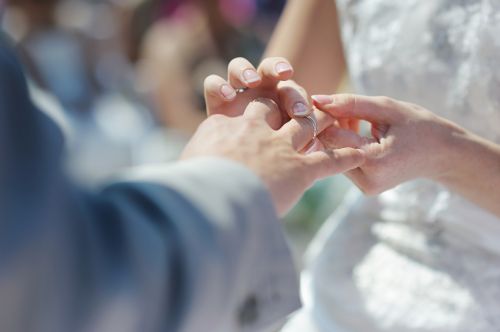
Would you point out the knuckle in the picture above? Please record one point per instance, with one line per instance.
(269, 103)
(293, 93)
(347, 98)
(386, 101)
(345, 163)
(348, 101)
(250, 123)
(215, 119)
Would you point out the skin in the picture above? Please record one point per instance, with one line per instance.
(257, 122)
(286, 172)
(420, 145)
(410, 142)
(309, 36)
(272, 80)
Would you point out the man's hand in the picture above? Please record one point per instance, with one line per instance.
(273, 154)
(272, 80)
(407, 140)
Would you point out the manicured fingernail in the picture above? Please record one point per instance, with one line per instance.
(251, 76)
(227, 91)
(322, 99)
(283, 67)
(300, 109)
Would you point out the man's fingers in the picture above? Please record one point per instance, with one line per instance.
(334, 137)
(266, 109)
(274, 70)
(373, 109)
(242, 74)
(294, 99)
(217, 92)
(300, 131)
(330, 162)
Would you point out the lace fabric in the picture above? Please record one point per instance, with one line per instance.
(444, 55)
(417, 258)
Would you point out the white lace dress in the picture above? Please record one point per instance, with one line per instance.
(417, 258)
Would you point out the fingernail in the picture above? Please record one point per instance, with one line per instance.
(227, 91)
(300, 109)
(251, 76)
(322, 99)
(283, 67)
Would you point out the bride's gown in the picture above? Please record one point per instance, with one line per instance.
(417, 258)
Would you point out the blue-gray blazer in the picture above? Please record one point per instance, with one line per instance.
(193, 246)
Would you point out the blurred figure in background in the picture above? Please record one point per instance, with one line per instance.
(203, 36)
(123, 70)
(75, 51)
(194, 246)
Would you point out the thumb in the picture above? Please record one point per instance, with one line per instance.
(331, 162)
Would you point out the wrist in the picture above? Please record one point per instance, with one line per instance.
(451, 142)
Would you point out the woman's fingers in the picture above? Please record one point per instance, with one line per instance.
(294, 99)
(242, 74)
(273, 70)
(217, 93)
(330, 162)
(373, 109)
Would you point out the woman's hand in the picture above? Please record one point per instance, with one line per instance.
(274, 155)
(410, 142)
(407, 140)
(272, 80)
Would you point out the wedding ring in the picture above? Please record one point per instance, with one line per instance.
(241, 90)
(314, 125)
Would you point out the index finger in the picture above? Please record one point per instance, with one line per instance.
(373, 109)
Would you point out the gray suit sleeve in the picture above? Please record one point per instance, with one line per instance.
(241, 275)
(191, 247)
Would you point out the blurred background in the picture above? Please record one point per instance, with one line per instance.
(124, 79)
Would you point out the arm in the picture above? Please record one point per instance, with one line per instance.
(165, 67)
(308, 34)
(192, 247)
(411, 142)
(473, 169)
